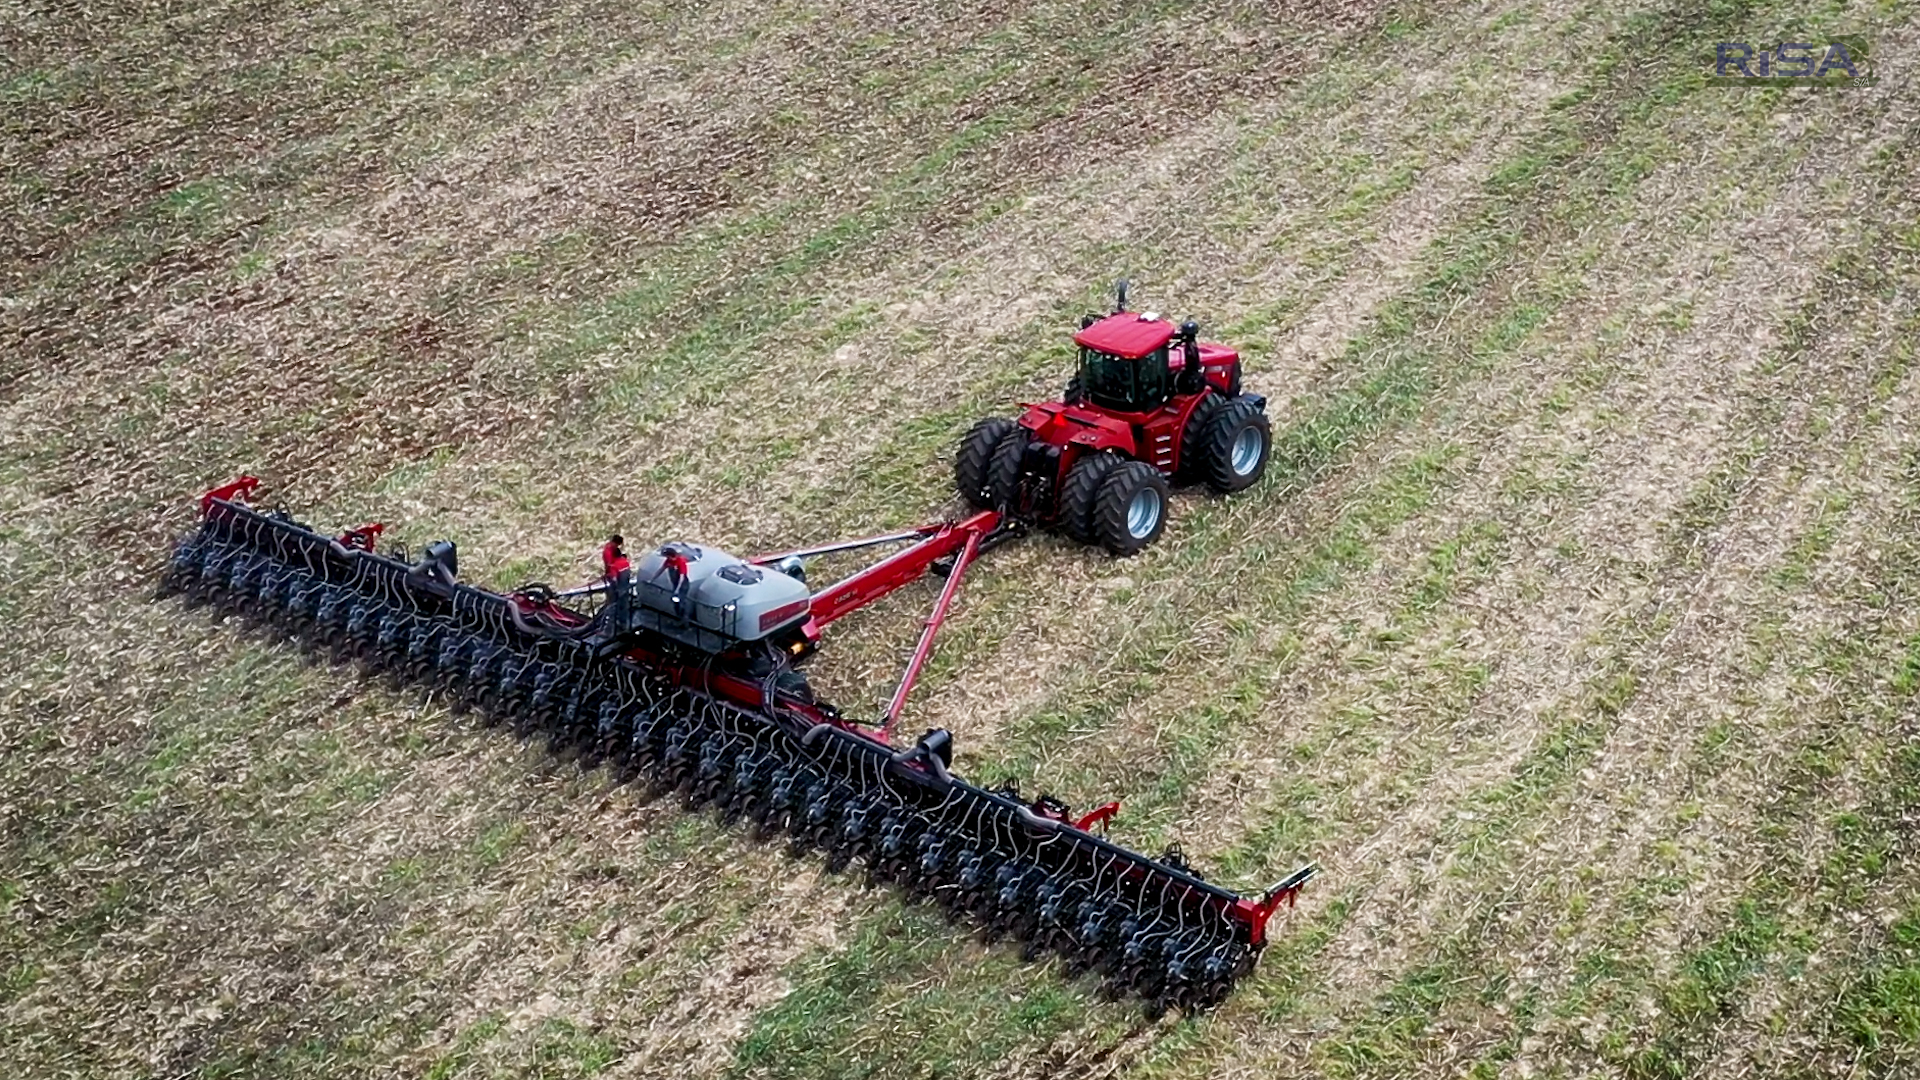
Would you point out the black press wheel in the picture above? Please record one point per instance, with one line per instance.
(1077, 495)
(1236, 443)
(972, 463)
(1130, 510)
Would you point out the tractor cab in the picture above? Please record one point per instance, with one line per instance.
(1126, 362)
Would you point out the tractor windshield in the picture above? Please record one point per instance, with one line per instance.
(1123, 385)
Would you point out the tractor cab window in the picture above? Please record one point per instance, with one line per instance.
(1123, 385)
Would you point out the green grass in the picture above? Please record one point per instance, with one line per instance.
(898, 975)
(1879, 1010)
(460, 1054)
(565, 1049)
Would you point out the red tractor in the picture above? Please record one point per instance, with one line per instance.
(1150, 404)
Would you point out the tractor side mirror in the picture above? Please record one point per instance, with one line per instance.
(1120, 296)
(1088, 320)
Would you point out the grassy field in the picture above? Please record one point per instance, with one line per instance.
(1575, 632)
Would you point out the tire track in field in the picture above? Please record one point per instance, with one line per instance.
(1260, 571)
(766, 514)
(1563, 437)
(1109, 740)
(1038, 649)
(1601, 530)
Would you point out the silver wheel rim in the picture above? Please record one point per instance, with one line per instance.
(1246, 450)
(1143, 513)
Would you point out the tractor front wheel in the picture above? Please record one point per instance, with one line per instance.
(972, 465)
(1078, 494)
(1235, 446)
(1130, 510)
(1195, 460)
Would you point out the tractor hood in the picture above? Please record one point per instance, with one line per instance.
(1059, 424)
(1126, 335)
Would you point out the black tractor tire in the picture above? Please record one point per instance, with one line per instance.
(1003, 471)
(1236, 444)
(1075, 393)
(1130, 511)
(1194, 462)
(972, 463)
(1078, 494)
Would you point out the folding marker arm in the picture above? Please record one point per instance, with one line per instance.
(849, 545)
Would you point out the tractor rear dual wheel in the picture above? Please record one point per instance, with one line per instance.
(1130, 508)
(973, 464)
(1079, 493)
